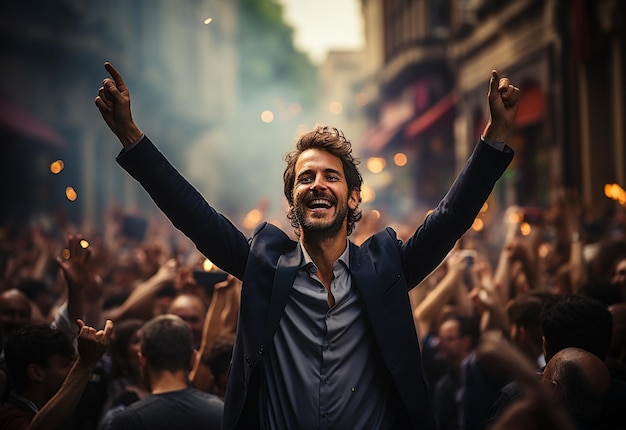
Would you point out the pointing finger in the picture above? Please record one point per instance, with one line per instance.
(117, 77)
(108, 329)
(493, 83)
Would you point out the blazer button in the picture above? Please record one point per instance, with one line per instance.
(261, 350)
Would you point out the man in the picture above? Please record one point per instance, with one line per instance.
(462, 397)
(48, 377)
(525, 331)
(580, 381)
(192, 310)
(539, 409)
(326, 335)
(619, 275)
(573, 321)
(15, 313)
(166, 357)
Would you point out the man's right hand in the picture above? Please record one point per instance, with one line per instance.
(113, 101)
(93, 343)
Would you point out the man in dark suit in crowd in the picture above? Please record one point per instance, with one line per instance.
(326, 335)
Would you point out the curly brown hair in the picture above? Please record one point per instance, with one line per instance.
(332, 140)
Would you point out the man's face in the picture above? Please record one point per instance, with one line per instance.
(192, 312)
(15, 312)
(321, 197)
(619, 274)
(452, 347)
(55, 373)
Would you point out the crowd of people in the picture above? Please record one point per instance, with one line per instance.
(518, 325)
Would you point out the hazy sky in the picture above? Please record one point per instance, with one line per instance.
(321, 25)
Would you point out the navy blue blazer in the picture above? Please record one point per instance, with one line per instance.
(383, 269)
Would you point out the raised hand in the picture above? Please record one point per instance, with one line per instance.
(503, 105)
(113, 101)
(74, 262)
(93, 343)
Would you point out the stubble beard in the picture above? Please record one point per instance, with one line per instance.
(321, 230)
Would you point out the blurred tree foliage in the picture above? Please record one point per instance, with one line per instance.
(268, 55)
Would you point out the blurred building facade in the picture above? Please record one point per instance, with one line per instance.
(428, 64)
(53, 54)
(340, 98)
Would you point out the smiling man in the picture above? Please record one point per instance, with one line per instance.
(325, 336)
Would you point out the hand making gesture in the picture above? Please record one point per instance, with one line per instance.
(503, 104)
(93, 343)
(113, 101)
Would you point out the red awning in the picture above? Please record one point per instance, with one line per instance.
(18, 120)
(378, 137)
(532, 107)
(430, 117)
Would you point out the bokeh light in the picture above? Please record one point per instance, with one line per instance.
(267, 116)
(400, 159)
(335, 108)
(71, 194)
(376, 164)
(57, 166)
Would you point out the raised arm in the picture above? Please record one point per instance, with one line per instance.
(430, 307)
(212, 233)
(91, 345)
(218, 321)
(457, 211)
(140, 301)
(80, 282)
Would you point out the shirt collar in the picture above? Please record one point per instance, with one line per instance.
(18, 400)
(306, 258)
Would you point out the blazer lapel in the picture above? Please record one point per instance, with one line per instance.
(286, 272)
(363, 273)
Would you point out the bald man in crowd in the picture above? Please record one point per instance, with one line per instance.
(15, 312)
(191, 309)
(580, 381)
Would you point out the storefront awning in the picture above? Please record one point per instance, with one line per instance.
(430, 117)
(18, 120)
(378, 138)
(532, 107)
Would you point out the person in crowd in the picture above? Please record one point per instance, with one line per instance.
(218, 361)
(15, 312)
(192, 310)
(525, 331)
(579, 322)
(126, 385)
(580, 381)
(539, 409)
(463, 396)
(616, 357)
(166, 356)
(321, 293)
(48, 376)
(619, 275)
(449, 294)
(210, 372)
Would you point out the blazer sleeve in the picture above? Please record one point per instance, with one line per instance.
(455, 213)
(212, 233)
